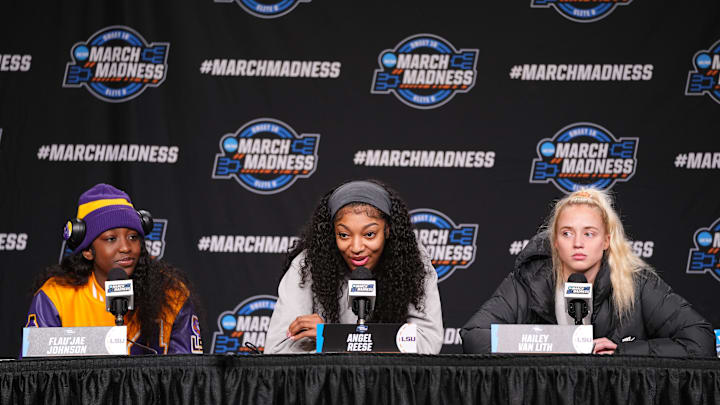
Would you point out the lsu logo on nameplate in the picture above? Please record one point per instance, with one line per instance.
(425, 71)
(247, 323)
(267, 8)
(583, 11)
(450, 246)
(705, 78)
(154, 241)
(117, 64)
(266, 156)
(584, 155)
(705, 256)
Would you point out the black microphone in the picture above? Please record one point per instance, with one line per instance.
(578, 293)
(361, 293)
(118, 294)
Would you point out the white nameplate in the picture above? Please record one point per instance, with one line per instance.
(541, 338)
(79, 341)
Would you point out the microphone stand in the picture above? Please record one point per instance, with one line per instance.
(578, 310)
(577, 304)
(119, 308)
(361, 307)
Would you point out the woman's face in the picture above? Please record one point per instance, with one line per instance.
(581, 239)
(360, 236)
(117, 247)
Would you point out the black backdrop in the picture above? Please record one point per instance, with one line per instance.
(667, 202)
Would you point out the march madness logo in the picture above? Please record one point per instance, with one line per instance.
(425, 71)
(154, 241)
(450, 246)
(705, 79)
(584, 155)
(266, 156)
(117, 64)
(705, 257)
(247, 323)
(267, 8)
(581, 10)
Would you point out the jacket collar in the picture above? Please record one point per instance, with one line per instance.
(533, 268)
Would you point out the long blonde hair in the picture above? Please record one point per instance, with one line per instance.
(623, 263)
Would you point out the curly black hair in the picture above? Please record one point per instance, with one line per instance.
(400, 272)
(159, 287)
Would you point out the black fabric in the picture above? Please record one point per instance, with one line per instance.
(361, 379)
(662, 323)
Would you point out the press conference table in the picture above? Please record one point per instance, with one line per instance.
(361, 379)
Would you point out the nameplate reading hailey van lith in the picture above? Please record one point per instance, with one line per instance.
(541, 338)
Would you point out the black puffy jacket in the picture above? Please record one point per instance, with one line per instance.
(662, 323)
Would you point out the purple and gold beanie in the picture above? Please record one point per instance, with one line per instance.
(105, 207)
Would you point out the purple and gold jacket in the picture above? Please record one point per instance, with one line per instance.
(56, 305)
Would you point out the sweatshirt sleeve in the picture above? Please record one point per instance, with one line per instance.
(185, 335)
(42, 312)
(674, 328)
(293, 300)
(429, 321)
(501, 308)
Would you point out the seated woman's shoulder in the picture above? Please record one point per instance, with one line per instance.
(299, 260)
(56, 283)
(174, 281)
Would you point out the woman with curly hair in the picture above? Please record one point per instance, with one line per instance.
(632, 310)
(108, 233)
(358, 224)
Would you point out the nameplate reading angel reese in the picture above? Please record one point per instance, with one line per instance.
(367, 338)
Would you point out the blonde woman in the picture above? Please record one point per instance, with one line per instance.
(633, 311)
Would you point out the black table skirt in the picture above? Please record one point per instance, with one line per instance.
(361, 379)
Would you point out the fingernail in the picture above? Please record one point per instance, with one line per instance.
(288, 334)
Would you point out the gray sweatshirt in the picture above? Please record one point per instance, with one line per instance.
(294, 301)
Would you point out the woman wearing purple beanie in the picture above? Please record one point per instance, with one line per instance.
(109, 233)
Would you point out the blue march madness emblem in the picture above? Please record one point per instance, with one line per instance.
(705, 79)
(584, 155)
(247, 323)
(425, 71)
(116, 64)
(583, 11)
(450, 246)
(267, 8)
(705, 256)
(154, 241)
(266, 156)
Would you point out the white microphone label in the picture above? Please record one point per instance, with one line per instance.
(362, 288)
(578, 290)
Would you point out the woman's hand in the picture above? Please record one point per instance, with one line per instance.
(604, 346)
(304, 326)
